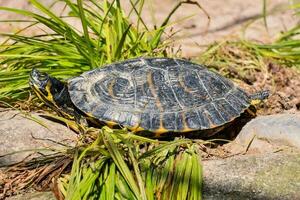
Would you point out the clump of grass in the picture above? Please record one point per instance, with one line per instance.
(240, 59)
(106, 35)
(233, 59)
(122, 166)
(285, 50)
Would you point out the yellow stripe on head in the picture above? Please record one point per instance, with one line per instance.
(256, 101)
(259, 97)
(48, 90)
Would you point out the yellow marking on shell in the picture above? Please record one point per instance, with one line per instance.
(182, 84)
(161, 128)
(186, 128)
(111, 89)
(89, 114)
(160, 131)
(153, 92)
(190, 90)
(136, 128)
(211, 124)
(110, 124)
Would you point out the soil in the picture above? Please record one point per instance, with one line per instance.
(226, 20)
(284, 86)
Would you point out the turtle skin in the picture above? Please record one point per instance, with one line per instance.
(160, 95)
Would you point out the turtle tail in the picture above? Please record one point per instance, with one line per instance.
(259, 97)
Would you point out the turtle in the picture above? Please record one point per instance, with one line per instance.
(150, 96)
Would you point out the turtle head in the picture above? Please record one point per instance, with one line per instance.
(258, 97)
(55, 94)
(47, 88)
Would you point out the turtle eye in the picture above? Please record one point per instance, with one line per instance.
(43, 76)
(38, 77)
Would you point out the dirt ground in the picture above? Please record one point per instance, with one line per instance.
(284, 85)
(227, 20)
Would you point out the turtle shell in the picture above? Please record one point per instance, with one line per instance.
(158, 95)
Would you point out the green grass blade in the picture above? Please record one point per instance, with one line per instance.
(110, 182)
(138, 175)
(265, 14)
(85, 32)
(196, 178)
(121, 165)
(184, 176)
(149, 185)
(164, 147)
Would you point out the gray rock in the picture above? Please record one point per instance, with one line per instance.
(18, 132)
(268, 176)
(270, 133)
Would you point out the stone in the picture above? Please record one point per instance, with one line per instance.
(266, 164)
(269, 133)
(260, 176)
(25, 133)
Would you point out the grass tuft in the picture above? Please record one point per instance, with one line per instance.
(233, 59)
(118, 166)
(106, 35)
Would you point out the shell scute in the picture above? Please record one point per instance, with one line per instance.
(169, 121)
(192, 120)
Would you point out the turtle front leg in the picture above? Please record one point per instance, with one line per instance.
(252, 111)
